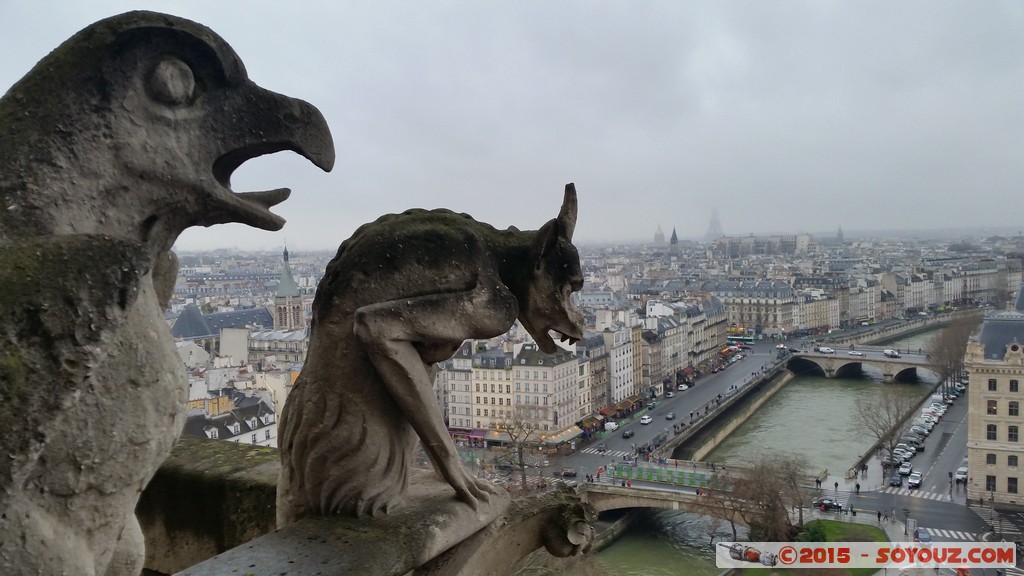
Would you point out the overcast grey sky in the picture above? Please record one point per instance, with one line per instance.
(788, 116)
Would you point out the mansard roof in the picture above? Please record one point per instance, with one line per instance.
(999, 330)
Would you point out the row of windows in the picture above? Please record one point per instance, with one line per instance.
(1012, 433)
(993, 385)
(992, 408)
(991, 486)
(1011, 460)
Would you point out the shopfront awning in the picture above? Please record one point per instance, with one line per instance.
(563, 436)
(478, 433)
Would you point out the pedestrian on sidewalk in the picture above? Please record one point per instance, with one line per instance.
(837, 486)
(879, 515)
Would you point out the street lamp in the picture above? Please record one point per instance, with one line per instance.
(906, 520)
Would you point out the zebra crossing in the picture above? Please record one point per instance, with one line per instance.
(938, 496)
(951, 535)
(617, 454)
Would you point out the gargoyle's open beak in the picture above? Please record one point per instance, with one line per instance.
(258, 122)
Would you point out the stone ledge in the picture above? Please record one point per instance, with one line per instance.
(209, 496)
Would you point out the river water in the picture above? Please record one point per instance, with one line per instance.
(810, 416)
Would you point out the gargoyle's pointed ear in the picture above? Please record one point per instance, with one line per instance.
(557, 228)
(567, 215)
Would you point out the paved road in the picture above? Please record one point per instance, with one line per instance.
(934, 506)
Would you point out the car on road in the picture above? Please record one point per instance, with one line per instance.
(906, 468)
(921, 535)
(683, 387)
(959, 387)
(602, 448)
(669, 394)
(794, 350)
(914, 480)
(896, 480)
(670, 416)
(628, 433)
(565, 473)
(652, 405)
(826, 350)
(646, 419)
(855, 353)
(961, 474)
(827, 503)
(903, 454)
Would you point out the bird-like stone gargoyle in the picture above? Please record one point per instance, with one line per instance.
(110, 147)
(403, 293)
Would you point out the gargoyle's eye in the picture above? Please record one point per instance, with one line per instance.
(172, 82)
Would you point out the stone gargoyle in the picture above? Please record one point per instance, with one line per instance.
(403, 293)
(110, 147)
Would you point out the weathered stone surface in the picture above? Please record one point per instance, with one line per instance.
(403, 293)
(112, 145)
(432, 521)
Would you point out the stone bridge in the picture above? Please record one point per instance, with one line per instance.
(842, 364)
(614, 497)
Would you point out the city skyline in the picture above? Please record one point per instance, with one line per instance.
(789, 118)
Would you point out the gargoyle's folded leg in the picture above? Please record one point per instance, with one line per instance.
(390, 332)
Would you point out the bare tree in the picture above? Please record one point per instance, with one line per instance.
(759, 496)
(723, 505)
(946, 351)
(882, 415)
(520, 426)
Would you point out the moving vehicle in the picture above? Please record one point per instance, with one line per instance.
(826, 350)
(921, 535)
(628, 433)
(611, 426)
(669, 394)
(565, 473)
(646, 419)
(855, 353)
(827, 503)
(961, 474)
(889, 353)
(670, 416)
(896, 480)
(914, 480)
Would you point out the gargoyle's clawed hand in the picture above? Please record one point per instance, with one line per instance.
(470, 489)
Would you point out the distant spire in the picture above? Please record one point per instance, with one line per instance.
(714, 227)
(839, 235)
(287, 287)
(675, 239)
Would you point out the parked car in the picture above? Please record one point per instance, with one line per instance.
(903, 454)
(669, 394)
(683, 387)
(646, 419)
(896, 480)
(906, 469)
(628, 433)
(827, 503)
(920, 430)
(959, 387)
(652, 405)
(914, 480)
(855, 353)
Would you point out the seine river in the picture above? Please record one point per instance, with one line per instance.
(811, 416)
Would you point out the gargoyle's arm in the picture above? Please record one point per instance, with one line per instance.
(393, 331)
